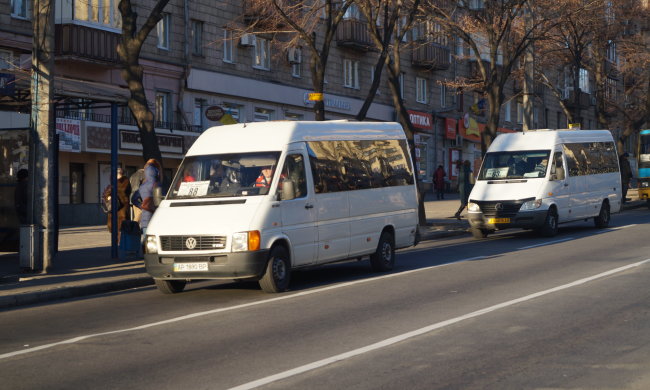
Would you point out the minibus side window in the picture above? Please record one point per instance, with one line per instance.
(294, 170)
(557, 170)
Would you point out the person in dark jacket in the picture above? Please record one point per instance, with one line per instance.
(464, 185)
(626, 175)
(439, 182)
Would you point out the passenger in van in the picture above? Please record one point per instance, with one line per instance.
(188, 176)
(216, 176)
(264, 179)
(541, 167)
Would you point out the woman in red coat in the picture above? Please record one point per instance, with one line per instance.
(439, 182)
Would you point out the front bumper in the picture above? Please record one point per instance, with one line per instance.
(523, 219)
(240, 265)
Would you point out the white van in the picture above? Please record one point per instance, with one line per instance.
(254, 201)
(540, 178)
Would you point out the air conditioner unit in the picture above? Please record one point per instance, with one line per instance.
(294, 55)
(247, 40)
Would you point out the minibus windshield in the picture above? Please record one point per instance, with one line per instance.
(224, 175)
(520, 164)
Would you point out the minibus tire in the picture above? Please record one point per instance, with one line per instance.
(170, 286)
(549, 229)
(602, 220)
(384, 257)
(278, 271)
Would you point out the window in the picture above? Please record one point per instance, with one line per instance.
(102, 12)
(372, 79)
(294, 170)
(520, 113)
(197, 38)
(352, 12)
(163, 31)
(610, 89)
(295, 59)
(584, 80)
(351, 74)
(262, 115)
(198, 112)
(228, 46)
(590, 158)
(234, 110)
(262, 55)
(421, 90)
(20, 9)
(293, 116)
(163, 103)
(6, 59)
(355, 165)
(508, 114)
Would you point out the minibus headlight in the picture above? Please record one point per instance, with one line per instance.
(473, 207)
(150, 244)
(246, 241)
(532, 204)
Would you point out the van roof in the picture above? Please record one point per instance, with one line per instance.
(546, 139)
(275, 135)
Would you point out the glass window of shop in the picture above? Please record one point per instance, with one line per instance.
(424, 156)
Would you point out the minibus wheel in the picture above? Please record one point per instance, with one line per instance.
(384, 257)
(549, 229)
(170, 286)
(278, 271)
(602, 220)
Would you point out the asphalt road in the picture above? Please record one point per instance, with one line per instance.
(514, 311)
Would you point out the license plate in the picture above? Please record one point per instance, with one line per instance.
(498, 220)
(190, 267)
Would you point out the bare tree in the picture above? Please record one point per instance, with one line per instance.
(132, 72)
(309, 24)
(497, 37)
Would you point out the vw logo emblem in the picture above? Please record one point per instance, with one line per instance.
(498, 206)
(190, 243)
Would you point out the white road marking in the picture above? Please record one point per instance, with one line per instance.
(426, 329)
(622, 227)
(546, 243)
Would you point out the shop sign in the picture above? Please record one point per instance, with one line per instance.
(450, 128)
(421, 120)
(315, 97)
(69, 131)
(328, 102)
(214, 113)
(130, 140)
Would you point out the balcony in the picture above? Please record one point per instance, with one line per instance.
(582, 101)
(431, 56)
(353, 34)
(85, 43)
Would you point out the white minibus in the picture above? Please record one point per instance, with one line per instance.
(541, 178)
(254, 201)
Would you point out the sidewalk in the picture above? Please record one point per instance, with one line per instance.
(84, 266)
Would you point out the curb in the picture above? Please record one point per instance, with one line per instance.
(32, 297)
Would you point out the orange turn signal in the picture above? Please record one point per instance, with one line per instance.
(253, 240)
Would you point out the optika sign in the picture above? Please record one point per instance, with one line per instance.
(421, 120)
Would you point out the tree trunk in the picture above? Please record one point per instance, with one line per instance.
(132, 73)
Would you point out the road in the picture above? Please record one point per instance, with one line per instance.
(514, 311)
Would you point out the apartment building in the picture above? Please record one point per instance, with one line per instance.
(201, 71)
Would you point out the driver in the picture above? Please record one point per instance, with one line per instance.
(264, 179)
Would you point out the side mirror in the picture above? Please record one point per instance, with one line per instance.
(288, 191)
(157, 196)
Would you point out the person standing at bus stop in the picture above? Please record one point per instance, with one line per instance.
(626, 175)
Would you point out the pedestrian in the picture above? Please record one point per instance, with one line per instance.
(135, 180)
(626, 175)
(123, 196)
(464, 185)
(439, 182)
(150, 184)
(21, 194)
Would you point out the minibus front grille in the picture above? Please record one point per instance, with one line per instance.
(192, 243)
(501, 209)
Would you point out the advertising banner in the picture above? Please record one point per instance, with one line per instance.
(69, 131)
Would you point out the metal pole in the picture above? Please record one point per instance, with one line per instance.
(528, 78)
(114, 203)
